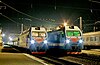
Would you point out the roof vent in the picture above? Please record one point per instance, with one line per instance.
(37, 28)
(71, 27)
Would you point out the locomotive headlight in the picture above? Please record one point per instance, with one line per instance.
(80, 41)
(32, 41)
(67, 41)
(45, 41)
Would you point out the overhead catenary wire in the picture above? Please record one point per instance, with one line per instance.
(25, 15)
(94, 1)
(9, 18)
(13, 20)
(36, 17)
(22, 12)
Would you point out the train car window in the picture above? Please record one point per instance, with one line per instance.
(84, 39)
(92, 38)
(97, 39)
(87, 39)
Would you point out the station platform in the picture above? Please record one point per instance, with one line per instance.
(1, 48)
(93, 52)
(19, 59)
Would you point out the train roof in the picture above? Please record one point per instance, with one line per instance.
(92, 33)
(34, 28)
(68, 27)
(72, 28)
(38, 29)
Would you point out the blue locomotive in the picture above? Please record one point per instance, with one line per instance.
(65, 39)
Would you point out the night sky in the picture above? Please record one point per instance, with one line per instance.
(48, 13)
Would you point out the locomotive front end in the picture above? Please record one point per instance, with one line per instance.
(38, 42)
(74, 40)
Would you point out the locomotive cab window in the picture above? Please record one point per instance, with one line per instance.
(38, 34)
(35, 34)
(42, 34)
(73, 33)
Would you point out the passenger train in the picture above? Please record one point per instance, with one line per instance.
(92, 40)
(66, 39)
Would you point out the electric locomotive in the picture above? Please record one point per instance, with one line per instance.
(34, 40)
(65, 38)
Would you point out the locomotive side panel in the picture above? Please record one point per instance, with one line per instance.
(67, 39)
(23, 39)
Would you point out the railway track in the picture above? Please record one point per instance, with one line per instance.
(56, 61)
(85, 59)
(89, 57)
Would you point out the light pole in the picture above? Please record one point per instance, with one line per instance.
(22, 28)
(81, 23)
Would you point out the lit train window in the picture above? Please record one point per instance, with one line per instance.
(84, 39)
(73, 33)
(38, 34)
(92, 38)
(87, 39)
(97, 39)
(42, 34)
(34, 34)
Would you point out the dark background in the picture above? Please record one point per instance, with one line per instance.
(48, 13)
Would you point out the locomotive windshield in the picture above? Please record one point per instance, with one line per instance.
(38, 34)
(73, 33)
